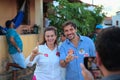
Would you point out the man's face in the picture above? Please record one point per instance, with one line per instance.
(98, 30)
(70, 32)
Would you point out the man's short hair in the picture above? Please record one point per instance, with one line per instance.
(69, 23)
(8, 23)
(63, 34)
(108, 47)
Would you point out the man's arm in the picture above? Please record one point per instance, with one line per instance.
(69, 58)
(63, 63)
(14, 44)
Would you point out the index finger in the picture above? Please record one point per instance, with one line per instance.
(82, 66)
(37, 45)
(36, 48)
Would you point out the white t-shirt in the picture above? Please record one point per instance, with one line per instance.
(47, 64)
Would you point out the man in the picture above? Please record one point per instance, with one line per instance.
(15, 48)
(73, 50)
(108, 54)
(98, 29)
(63, 70)
(62, 38)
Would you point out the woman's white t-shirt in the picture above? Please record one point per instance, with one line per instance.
(47, 64)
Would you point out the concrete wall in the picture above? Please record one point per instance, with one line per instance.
(8, 10)
(32, 12)
(115, 19)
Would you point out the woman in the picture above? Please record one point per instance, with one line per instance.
(46, 57)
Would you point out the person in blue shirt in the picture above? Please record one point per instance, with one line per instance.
(98, 29)
(15, 48)
(73, 50)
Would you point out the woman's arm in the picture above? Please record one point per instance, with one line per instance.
(32, 59)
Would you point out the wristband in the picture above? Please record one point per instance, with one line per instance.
(65, 62)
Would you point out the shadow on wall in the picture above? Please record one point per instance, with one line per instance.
(3, 63)
(23, 74)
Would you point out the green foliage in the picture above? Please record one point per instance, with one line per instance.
(79, 13)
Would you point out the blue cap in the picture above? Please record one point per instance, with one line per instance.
(99, 26)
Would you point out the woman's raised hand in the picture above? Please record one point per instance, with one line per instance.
(35, 52)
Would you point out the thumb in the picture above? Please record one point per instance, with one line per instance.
(82, 66)
(37, 45)
(84, 70)
(86, 74)
(35, 50)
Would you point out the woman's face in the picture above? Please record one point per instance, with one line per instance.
(50, 37)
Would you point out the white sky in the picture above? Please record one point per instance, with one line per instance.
(110, 6)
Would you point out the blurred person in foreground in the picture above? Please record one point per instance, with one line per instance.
(107, 55)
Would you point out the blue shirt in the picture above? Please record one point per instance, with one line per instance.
(18, 19)
(12, 33)
(85, 48)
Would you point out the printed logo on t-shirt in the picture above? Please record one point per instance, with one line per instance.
(82, 51)
(86, 55)
(46, 55)
(58, 54)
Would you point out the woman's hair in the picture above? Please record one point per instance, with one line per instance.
(50, 28)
